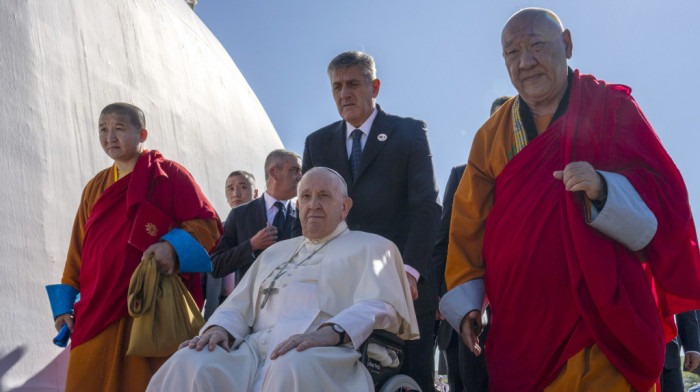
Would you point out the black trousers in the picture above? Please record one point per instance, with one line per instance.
(472, 369)
(419, 361)
(672, 380)
(451, 356)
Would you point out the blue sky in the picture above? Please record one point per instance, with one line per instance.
(440, 61)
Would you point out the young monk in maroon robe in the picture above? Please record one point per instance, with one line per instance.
(575, 223)
(143, 204)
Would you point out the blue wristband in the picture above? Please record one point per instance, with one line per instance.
(62, 297)
(193, 257)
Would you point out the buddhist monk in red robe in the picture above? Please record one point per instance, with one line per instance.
(143, 204)
(573, 222)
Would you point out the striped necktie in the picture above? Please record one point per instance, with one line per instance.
(356, 152)
(279, 219)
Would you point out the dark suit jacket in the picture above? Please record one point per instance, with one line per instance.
(443, 235)
(439, 258)
(233, 252)
(688, 338)
(394, 194)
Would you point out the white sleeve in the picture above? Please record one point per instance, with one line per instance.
(230, 320)
(624, 217)
(362, 318)
(462, 299)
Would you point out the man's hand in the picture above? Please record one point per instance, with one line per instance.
(413, 284)
(470, 329)
(692, 359)
(322, 337)
(581, 176)
(165, 255)
(62, 319)
(264, 238)
(212, 337)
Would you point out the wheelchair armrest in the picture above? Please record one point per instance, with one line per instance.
(391, 347)
(383, 338)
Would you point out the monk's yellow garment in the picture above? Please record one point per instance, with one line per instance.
(99, 365)
(590, 371)
(490, 152)
(164, 312)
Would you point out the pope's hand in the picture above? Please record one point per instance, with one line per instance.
(212, 337)
(470, 329)
(581, 176)
(325, 336)
(165, 255)
(413, 285)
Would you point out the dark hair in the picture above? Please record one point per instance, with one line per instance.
(278, 157)
(498, 102)
(250, 177)
(136, 116)
(346, 59)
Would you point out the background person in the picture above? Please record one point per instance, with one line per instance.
(240, 189)
(465, 371)
(387, 164)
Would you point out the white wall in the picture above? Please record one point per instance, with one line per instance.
(62, 61)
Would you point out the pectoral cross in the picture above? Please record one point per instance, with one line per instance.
(268, 292)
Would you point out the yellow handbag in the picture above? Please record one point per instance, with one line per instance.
(164, 312)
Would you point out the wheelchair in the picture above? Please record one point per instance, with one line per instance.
(382, 354)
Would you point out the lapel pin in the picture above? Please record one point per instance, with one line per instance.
(381, 137)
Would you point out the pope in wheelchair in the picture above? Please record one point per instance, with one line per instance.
(303, 310)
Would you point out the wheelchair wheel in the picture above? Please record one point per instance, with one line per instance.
(400, 382)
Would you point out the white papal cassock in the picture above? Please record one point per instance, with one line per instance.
(354, 279)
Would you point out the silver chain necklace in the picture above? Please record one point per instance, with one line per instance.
(271, 289)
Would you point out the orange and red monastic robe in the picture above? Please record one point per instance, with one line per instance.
(556, 285)
(101, 261)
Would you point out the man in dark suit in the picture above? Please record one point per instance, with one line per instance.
(387, 164)
(672, 376)
(465, 371)
(253, 227)
(240, 189)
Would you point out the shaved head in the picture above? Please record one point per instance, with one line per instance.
(540, 16)
(536, 48)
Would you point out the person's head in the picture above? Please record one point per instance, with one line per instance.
(240, 188)
(282, 173)
(122, 131)
(323, 202)
(497, 103)
(536, 48)
(355, 86)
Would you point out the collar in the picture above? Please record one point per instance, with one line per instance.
(526, 114)
(270, 201)
(342, 227)
(365, 127)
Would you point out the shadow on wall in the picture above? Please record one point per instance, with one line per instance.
(51, 378)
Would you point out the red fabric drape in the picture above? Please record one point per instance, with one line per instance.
(555, 284)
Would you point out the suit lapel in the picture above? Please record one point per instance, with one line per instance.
(339, 152)
(261, 214)
(382, 128)
(259, 219)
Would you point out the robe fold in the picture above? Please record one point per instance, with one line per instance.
(101, 261)
(559, 285)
